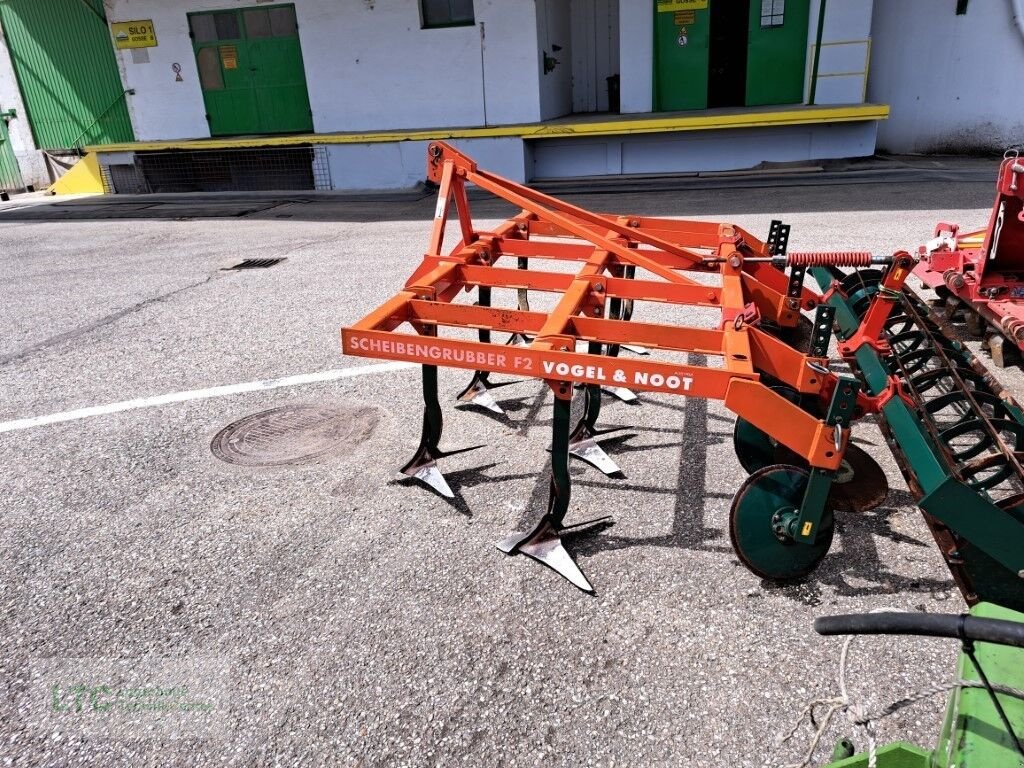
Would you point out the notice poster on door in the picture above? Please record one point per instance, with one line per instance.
(229, 57)
(134, 34)
(672, 6)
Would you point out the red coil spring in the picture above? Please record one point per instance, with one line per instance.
(829, 259)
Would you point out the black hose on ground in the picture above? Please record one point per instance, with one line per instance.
(953, 625)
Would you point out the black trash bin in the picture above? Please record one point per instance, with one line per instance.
(613, 93)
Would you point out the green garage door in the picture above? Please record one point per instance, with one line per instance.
(680, 56)
(63, 58)
(250, 70)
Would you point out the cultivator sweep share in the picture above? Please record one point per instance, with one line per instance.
(955, 433)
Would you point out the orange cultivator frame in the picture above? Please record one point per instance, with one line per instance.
(621, 260)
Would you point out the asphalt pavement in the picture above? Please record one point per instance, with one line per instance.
(162, 606)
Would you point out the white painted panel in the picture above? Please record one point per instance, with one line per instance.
(846, 89)
(704, 151)
(636, 57)
(714, 151)
(595, 34)
(401, 165)
(953, 82)
(504, 156)
(556, 39)
(559, 158)
(843, 58)
(836, 140)
(584, 56)
(846, 21)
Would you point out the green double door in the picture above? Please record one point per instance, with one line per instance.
(251, 71)
(729, 53)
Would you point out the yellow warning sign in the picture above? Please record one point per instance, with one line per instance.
(229, 56)
(671, 6)
(806, 530)
(134, 34)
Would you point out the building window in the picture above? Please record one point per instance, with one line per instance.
(211, 27)
(446, 13)
(211, 78)
(773, 13)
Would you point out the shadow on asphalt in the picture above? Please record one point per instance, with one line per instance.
(915, 189)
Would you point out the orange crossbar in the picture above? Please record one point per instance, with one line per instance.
(620, 259)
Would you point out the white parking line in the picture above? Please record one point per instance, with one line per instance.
(204, 394)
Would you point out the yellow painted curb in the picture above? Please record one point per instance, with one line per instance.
(612, 127)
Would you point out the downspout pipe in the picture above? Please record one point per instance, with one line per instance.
(817, 50)
(1017, 6)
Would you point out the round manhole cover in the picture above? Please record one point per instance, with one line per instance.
(292, 434)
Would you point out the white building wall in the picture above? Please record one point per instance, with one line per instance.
(368, 65)
(845, 48)
(30, 160)
(403, 164)
(636, 56)
(953, 82)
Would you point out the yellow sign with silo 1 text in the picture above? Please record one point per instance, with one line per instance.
(671, 6)
(134, 34)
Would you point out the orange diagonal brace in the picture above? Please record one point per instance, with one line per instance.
(444, 199)
(551, 203)
(627, 255)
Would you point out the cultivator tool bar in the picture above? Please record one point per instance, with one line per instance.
(766, 361)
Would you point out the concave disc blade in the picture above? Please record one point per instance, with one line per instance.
(860, 483)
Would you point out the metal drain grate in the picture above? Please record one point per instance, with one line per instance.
(293, 434)
(255, 264)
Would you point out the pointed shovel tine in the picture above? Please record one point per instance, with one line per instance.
(430, 475)
(481, 396)
(592, 453)
(544, 545)
(554, 555)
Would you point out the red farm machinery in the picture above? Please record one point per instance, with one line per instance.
(981, 273)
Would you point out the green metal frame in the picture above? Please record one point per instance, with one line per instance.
(972, 734)
(972, 515)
